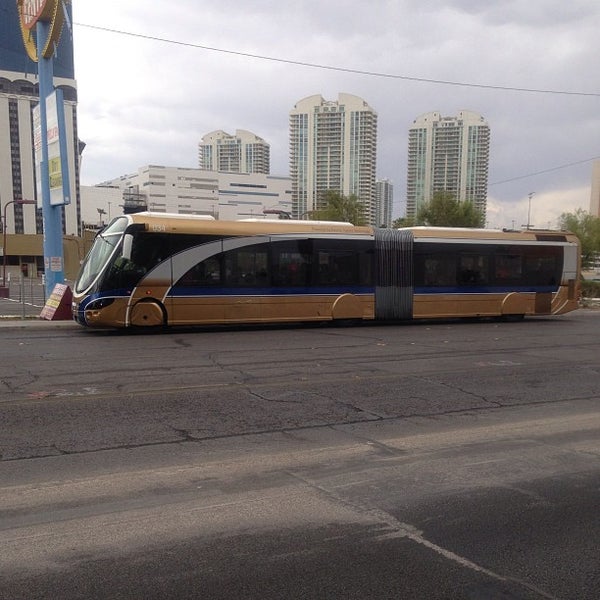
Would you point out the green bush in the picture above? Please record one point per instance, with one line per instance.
(590, 289)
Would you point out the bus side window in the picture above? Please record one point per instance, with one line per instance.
(541, 270)
(247, 267)
(436, 270)
(205, 273)
(291, 263)
(508, 267)
(338, 267)
(473, 269)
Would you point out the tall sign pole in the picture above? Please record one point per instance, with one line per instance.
(45, 18)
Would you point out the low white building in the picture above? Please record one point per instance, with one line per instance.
(186, 191)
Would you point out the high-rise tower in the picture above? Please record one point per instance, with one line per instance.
(449, 154)
(243, 152)
(333, 146)
(385, 201)
(19, 93)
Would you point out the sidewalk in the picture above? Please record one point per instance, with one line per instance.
(33, 323)
(15, 320)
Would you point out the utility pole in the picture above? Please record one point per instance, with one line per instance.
(530, 195)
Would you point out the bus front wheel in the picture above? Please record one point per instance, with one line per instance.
(147, 313)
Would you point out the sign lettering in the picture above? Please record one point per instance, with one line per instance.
(34, 10)
(46, 11)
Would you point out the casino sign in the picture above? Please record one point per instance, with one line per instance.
(47, 11)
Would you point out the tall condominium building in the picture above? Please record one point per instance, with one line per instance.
(333, 146)
(243, 152)
(384, 203)
(448, 154)
(595, 193)
(19, 94)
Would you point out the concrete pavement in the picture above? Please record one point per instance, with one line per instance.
(14, 314)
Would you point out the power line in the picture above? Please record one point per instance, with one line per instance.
(579, 162)
(339, 69)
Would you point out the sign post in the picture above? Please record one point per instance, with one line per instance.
(45, 18)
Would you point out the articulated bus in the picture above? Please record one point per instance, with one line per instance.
(151, 270)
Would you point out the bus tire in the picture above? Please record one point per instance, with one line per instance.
(148, 313)
(512, 318)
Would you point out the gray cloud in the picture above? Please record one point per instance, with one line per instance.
(144, 101)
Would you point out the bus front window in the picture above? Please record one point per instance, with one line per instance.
(102, 250)
(122, 273)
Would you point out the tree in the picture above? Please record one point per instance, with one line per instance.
(340, 208)
(587, 228)
(445, 210)
(403, 222)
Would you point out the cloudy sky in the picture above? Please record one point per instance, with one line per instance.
(154, 77)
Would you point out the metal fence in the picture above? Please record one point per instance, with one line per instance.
(25, 297)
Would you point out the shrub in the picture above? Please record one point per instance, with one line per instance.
(590, 289)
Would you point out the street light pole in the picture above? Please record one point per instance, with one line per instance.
(4, 228)
(530, 195)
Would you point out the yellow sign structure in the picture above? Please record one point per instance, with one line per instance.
(47, 11)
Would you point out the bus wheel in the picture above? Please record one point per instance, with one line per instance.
(148, 313)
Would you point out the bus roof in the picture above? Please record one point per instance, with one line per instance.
(205, 224)
(455, 233)
(170, 223)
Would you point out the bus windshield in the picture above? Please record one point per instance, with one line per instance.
(102, 249)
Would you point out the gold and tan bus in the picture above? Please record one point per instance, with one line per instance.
(152, 269)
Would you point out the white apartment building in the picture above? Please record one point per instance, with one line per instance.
(187, 191)
(243, 152)
(384, 202)
(333, 146)
(448, 154)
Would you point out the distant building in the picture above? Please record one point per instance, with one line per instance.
(384, 202)
(100, 204)
(18, 95)
(595, 195)
(448, 154)
(243, 152)
(333, 146)
(188, 191)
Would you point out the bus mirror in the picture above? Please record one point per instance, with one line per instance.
(127, 243)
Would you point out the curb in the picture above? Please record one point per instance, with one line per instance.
(13, 322)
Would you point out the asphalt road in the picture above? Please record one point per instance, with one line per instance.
(449, 460)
